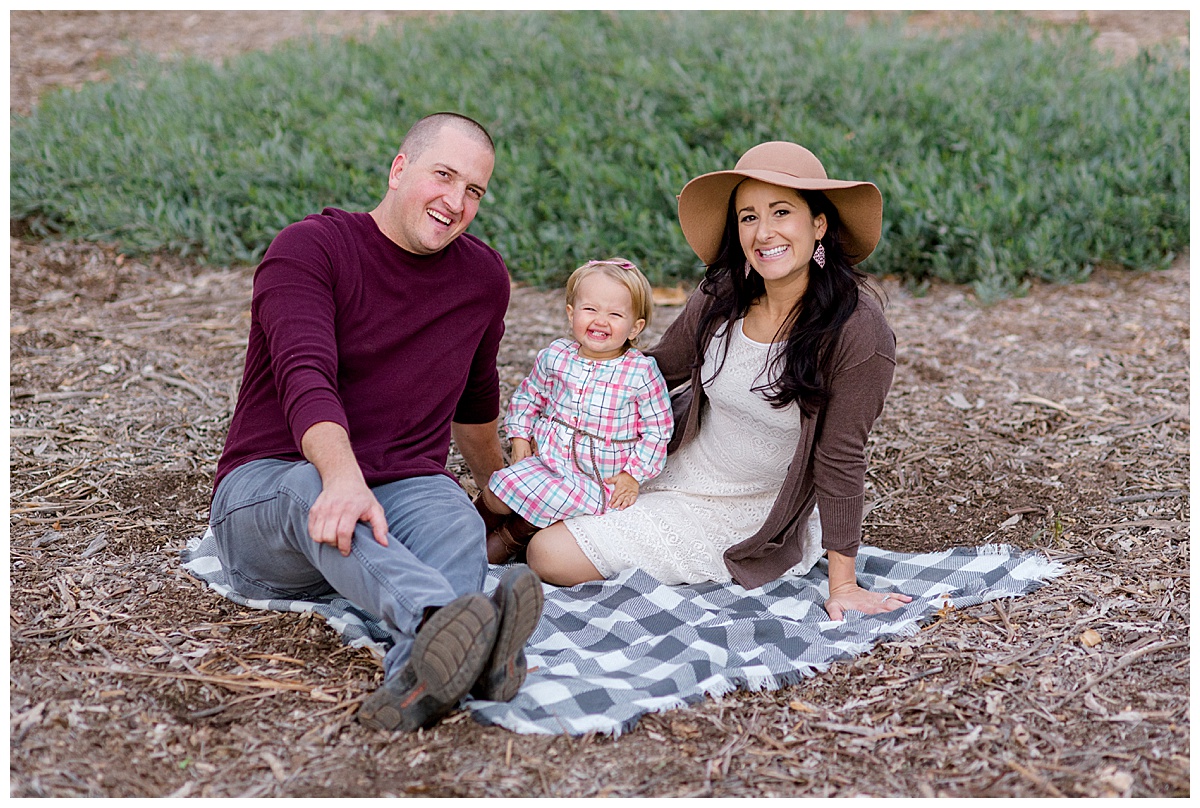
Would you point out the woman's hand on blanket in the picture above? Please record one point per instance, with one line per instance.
(521, 449)
(339, 508)
(625, 491)
(853, 596)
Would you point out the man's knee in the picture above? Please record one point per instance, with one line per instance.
(466, 528)
(463, 559)
(470, 523)
(433, 506)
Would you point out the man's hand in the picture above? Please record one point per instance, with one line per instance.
(521, 449)
(339, 508)
(625, 491)
(345, 499)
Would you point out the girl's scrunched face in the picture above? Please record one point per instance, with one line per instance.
(777, 230)
(602, 318)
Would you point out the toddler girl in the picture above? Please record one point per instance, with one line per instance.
(590, 422)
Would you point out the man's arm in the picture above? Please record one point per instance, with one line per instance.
(345, 499)
(480, 447)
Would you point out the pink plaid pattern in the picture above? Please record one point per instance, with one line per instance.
(588, 419)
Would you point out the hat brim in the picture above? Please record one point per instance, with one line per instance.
(704, 204)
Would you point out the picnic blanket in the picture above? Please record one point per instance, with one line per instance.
(608, 652)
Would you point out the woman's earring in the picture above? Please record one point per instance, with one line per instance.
(748, 268)
(819, 255)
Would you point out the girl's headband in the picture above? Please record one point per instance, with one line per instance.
(619, 264)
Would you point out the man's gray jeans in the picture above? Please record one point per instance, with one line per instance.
(435, 549)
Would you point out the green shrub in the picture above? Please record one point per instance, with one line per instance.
(1001, 156)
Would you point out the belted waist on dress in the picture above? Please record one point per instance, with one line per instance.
(578, 434)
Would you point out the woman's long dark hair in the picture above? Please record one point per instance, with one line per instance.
(800, 370)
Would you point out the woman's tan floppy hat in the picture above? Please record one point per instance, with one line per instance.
(704, 202)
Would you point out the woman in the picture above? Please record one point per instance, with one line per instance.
(787, 362)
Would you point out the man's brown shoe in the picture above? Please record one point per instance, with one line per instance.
(451, 650)
(518, 599)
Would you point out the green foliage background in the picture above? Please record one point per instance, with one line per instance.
(1002, 156)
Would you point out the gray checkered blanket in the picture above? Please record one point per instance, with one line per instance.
(607, 653)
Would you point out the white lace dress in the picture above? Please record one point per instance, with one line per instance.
(716, 491)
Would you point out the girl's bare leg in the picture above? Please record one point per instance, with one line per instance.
(555, 556)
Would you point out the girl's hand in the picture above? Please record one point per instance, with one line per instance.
(625, 491)
(862, 600)
(521, 449)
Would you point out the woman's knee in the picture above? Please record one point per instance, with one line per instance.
(555, 556)
(537, 555)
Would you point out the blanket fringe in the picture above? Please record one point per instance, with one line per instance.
(194, 543)
(1046, 568)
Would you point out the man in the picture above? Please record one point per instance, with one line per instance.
(373, 340)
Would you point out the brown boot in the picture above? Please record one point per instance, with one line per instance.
(508, 541)
(491, 519)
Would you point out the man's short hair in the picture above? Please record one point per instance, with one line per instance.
(425, 131)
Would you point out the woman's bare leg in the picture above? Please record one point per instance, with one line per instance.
(555, 556)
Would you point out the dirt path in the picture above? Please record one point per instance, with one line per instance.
(1057, 421)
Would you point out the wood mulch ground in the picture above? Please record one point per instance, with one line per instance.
(1057, 421)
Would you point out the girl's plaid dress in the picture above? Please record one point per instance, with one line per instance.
(589, 420)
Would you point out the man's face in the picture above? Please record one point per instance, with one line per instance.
(436, 194)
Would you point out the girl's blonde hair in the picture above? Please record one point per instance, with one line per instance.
(624, 272)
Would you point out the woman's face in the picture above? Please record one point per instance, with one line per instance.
(777, 231)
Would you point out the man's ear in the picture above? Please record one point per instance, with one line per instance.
(394, 174)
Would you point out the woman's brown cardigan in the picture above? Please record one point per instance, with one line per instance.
(830, 465)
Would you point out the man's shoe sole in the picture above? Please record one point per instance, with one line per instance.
(518, 598)
(448, 656)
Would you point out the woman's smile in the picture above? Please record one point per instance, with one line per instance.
(773, 253)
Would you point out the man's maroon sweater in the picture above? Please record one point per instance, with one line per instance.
(348, 327)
